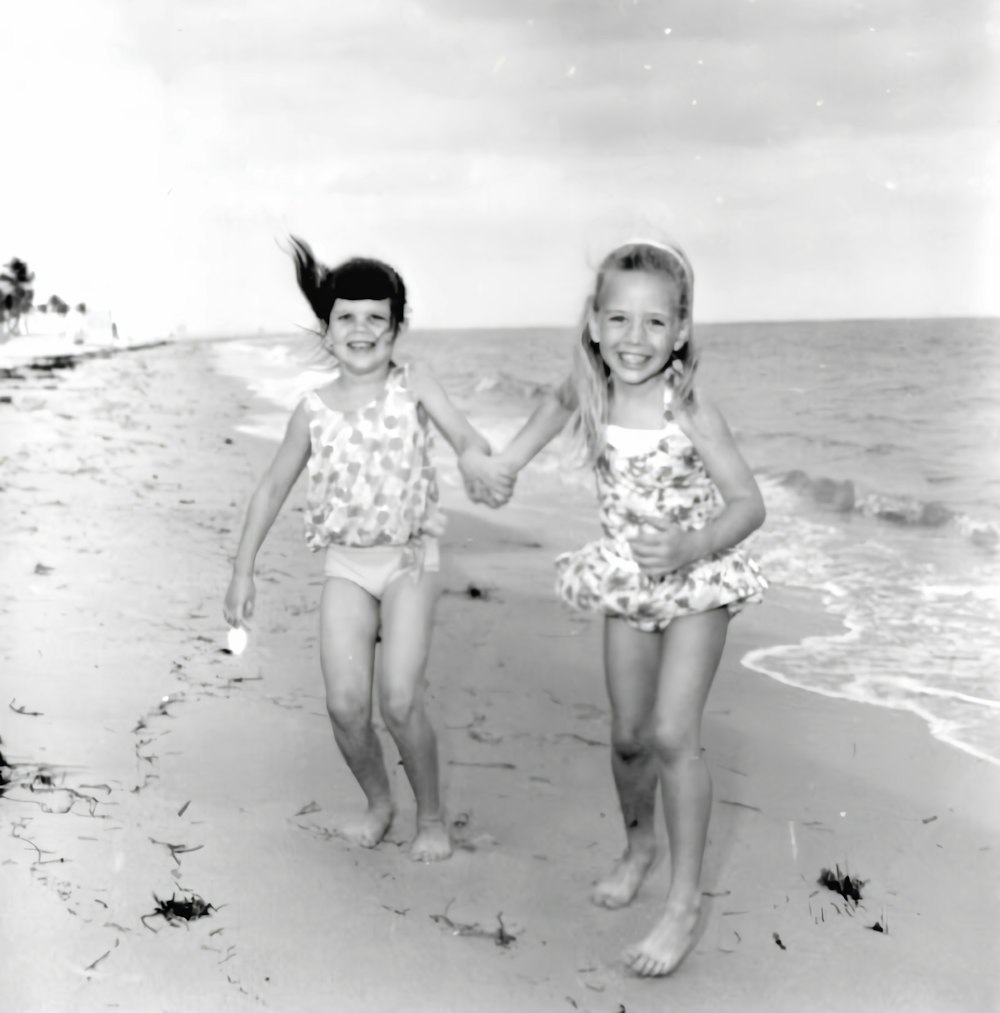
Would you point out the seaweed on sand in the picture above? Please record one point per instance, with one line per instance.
(500, 936)
(175, 911)
(5, 771)
(849, 887)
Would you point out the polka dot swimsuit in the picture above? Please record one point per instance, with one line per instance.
(371, 480)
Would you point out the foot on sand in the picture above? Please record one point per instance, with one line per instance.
(621, 885)
(432, 843)
(369, 828)
(667, 945)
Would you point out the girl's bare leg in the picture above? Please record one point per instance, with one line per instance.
(631, 665)
(691, 652)
(349, 618)
(407, 622)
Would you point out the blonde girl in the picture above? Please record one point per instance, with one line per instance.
(676, 500)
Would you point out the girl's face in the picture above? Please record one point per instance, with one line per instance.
(636, 324)
(361, 334)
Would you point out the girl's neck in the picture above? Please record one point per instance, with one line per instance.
(638, 406)
(637, 394)
(374, 380)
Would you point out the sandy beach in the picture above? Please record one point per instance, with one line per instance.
(143, 762)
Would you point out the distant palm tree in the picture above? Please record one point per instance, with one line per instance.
(6, 307)
(17, 293)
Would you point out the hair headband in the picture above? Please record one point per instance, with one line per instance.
(675, 251)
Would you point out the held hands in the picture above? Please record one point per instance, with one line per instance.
(238, 604)
(664, 547)
(487, 479)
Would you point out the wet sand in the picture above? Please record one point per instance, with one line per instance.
(142, 759)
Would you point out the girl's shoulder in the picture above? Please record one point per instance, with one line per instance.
(414, 377)
(566, 394)
(310, 402)
(300, 422)
(699, 417)
(319, 398)
(405, 372)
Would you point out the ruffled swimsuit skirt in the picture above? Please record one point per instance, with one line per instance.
(667, 481)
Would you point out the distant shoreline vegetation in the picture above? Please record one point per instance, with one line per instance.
(17, 300)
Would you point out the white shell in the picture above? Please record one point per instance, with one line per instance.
(237, 639)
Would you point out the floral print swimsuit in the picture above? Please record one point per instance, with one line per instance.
(667, 481)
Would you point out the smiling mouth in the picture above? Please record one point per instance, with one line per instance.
(360, 346)
(633, 358)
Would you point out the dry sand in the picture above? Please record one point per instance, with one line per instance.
(143, 759)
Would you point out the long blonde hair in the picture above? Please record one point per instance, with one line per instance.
(591, 375)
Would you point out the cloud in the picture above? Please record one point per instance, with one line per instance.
(500, 145)
(480, 77)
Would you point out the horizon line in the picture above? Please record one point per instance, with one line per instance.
(300, 330)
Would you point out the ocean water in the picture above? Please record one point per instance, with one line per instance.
(876, 447)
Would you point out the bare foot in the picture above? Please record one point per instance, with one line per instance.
(667, 945)
(621, 885)
(432, 843)
(369, 828)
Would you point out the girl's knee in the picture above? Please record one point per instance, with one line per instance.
(629, 744)
(348, 710)
(399, 707)
(673, 742)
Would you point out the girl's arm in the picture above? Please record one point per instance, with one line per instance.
(470, 446)
(670, 547)
(544, 424)
(454, 426)
(266, 502)
(744, 506)
(491, 480)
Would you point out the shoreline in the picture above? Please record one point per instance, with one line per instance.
(145, 760)
(936, 727)
(543, 487)
(26, 351)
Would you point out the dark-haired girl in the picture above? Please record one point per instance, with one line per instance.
(372, 508)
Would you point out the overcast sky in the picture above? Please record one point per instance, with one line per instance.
(817, 158)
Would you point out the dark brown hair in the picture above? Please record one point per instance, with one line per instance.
(357, 278)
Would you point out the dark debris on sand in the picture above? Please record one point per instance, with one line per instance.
(175, 911)
(49, 363)
(500, 936)
(6, 769)
(176, 849)
(473, 591)
(849, 887)
(21, 709)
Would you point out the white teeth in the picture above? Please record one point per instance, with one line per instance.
(632, 360)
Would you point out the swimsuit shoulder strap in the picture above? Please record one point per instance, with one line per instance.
(668, 401)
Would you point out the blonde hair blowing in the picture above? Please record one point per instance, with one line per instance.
(591, 375)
